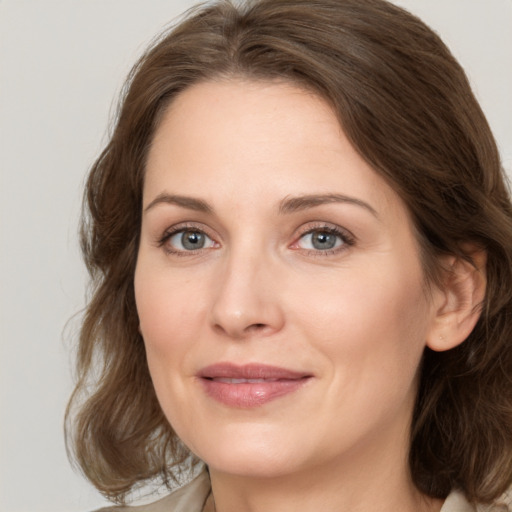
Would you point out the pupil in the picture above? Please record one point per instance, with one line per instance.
(323, 240)
(192, 240)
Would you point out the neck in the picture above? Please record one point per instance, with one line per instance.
(368, 479)
(308, 494)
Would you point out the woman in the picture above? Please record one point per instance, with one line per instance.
(300, 239)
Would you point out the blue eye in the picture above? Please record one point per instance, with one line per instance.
(322, 240)
(186, 240)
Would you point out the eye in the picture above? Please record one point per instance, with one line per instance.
(187, 240)
(324, 239)
(320, 240)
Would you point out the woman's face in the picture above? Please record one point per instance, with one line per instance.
(278, 283)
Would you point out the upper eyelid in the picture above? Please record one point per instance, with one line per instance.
(184, 226)
(328, 226)
(187, 225)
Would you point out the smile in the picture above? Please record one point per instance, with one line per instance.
(250, 385)
(243, 381)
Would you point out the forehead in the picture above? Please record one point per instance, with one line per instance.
(247, 140)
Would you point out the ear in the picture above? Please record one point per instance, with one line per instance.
(458, 301)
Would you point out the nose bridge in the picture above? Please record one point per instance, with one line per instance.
(247, 298)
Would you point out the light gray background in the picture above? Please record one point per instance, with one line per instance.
(62, 63)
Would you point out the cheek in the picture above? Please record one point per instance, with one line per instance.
(371, 336)
(376, 321)
(170, 318)
(168, 308)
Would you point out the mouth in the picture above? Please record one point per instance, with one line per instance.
(249, 385)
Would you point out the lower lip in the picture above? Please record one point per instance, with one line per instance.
(246, 395)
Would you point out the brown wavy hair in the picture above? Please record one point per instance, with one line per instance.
(408, 109)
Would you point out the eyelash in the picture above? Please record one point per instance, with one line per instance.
(347, 239)
(181, 228)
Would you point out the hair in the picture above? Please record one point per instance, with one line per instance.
(407, 107)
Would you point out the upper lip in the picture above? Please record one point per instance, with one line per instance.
(250, 371)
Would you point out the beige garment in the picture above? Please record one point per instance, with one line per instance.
(192, 497)
(456, 502)
(196, 497)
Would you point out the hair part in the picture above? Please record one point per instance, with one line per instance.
(407, 107)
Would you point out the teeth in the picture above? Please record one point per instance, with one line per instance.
(241, 381)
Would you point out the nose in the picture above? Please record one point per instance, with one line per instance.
(247, 299)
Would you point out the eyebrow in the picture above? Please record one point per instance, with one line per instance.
(286, 206)
(191, 203)
(294, 204)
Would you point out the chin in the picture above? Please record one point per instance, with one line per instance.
(261, 455)
(251, 464)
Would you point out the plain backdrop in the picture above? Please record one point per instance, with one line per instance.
(62, 64)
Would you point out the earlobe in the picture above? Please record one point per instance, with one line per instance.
(459, 302)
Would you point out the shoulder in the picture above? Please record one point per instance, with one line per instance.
(189, 498)
(456, 502)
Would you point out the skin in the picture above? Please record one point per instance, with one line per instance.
(357, 317)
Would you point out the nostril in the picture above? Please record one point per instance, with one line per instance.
(255, 327)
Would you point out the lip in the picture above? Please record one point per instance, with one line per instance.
(249, 385)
